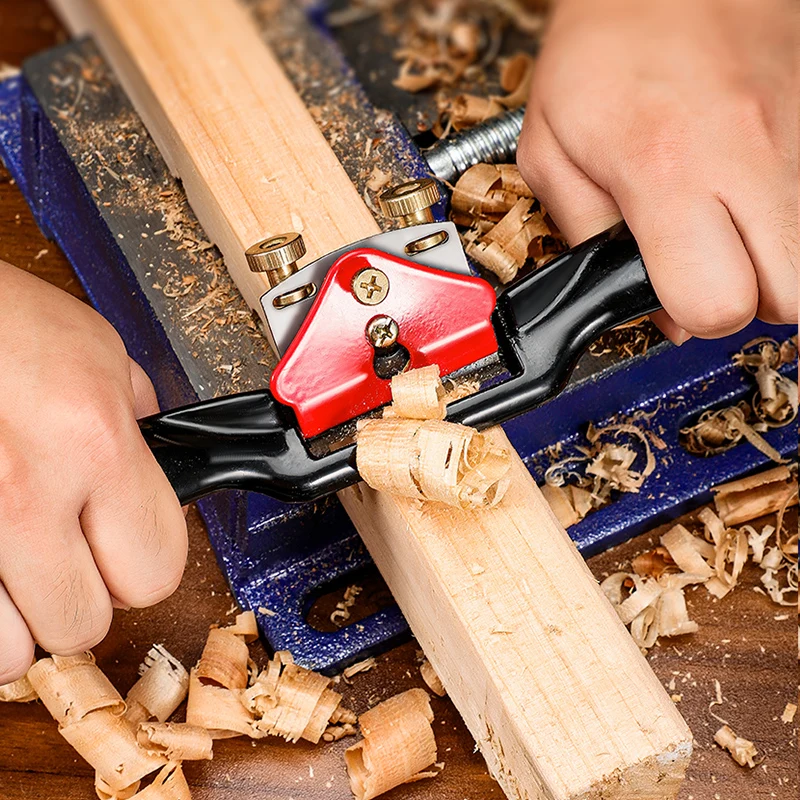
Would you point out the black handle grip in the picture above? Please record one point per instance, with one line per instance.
(244, 441)
(547, 319)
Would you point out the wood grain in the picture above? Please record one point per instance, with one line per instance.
(740, 642)
(224, 115)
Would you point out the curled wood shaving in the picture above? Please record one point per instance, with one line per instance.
(224, 660)
(466, 110)
(432, 680)
(509, 244)
(774, 404)
(432, 460)
(651, 600)
(108, 743)
(609, 467)
(398, 744)
(756, 496)
(19, 691)
(72, 687)
(429, 459)
(105, 792)
(342, 611)
(169, 784)
(418, 394)
(333, 733)
(290, 701)
(217, 709)
(162, 687)
(176, 741)
(743, 751)
(361, 666)
(245, 626)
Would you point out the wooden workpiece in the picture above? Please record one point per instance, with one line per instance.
(559, 699)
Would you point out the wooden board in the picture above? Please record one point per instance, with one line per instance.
(551, 686)
(227, 119)
(561, 703)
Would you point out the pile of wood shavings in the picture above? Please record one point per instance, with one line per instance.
(128, 740)
(650, 599)
(412, 452)
(608, 466)
(506, 226)
(444, 41)
(773, 405)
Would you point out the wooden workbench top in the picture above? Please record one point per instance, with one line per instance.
(742, 643)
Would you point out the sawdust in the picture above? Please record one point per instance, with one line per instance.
(145, 206)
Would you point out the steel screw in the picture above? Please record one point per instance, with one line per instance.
(382, 332)
(370, 286)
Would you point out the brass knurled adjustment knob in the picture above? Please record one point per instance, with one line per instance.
(411, 202)
(277, 256)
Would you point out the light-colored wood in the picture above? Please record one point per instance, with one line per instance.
(228, 123)
(549, 682)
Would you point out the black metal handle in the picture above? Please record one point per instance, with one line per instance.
(245, 441)
(547, 319)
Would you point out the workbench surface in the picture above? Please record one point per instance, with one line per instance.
(741, 644)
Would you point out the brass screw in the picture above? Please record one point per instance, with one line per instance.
(382, 332)
(411, 202)
(277, 256)
(370, 286)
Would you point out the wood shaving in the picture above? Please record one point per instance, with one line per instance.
(608, 467)
(398, 744)
(176, 741)
(787, 718)
(433, 461)
(224, 660)
(217, 709)
(743, 751)
(162, 687)
(342, 611)
(418, 394)
(19, 691)
(428, 459)
(432, 680)
(245, 626)
(169, 784)
(756, 496)
(71, 687)
(773, 405)
(651, 598)
(361, 666)
(290, 701)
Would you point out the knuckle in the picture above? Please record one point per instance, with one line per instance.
(16, 656)
(78, 618)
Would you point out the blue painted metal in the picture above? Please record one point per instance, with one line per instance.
(278, 557)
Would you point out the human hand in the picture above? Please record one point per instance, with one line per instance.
(87, 518)
(681, 117)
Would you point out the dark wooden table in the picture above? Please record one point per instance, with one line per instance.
(742, 642)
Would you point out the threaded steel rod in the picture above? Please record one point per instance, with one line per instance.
(493, 141)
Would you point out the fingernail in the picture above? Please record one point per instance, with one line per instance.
(119, 604)
(680, 336)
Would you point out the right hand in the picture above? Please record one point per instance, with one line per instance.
(88, 520)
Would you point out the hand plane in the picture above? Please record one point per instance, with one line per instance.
(346, 323)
